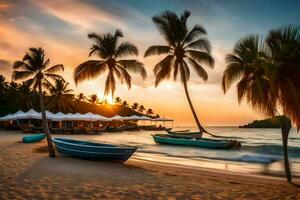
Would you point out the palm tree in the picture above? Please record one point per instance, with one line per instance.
(135, 106)
(3, 84)
(125, 104)
(267, 74)
(108, 49)
(81, 97)
(141, 109)
(118, 100)
(93, 99)
(149, 112)
(25, 96)
(184, 48)
(34, 68)
(3, 89)
(61, 98)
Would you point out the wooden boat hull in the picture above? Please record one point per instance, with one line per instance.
(34, 138)
(92, 150)
(203, 143)
(183, 133)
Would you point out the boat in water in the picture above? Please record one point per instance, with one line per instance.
(33, 138)
(93, 150)
(195, 142)
(183, 132)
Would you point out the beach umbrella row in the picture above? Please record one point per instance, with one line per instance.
(32, 114)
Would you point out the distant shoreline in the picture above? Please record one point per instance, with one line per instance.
(264, 123)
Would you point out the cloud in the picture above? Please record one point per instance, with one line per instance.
(5, 66)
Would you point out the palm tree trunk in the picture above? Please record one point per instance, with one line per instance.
(45, 124)
(200, 127)
(285, 129)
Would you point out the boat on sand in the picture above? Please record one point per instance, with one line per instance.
(93, 150)
(33, 138)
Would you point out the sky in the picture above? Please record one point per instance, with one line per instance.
(61, 28)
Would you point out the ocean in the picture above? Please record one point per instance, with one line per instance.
(261, 151)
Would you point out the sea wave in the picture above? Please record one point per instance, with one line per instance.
(272, 149)
(263, 159)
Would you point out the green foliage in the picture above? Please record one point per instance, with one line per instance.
(267, 72)
(265, 123)
(61, 98)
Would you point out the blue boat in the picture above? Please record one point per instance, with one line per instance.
(93, 150)
(195, 142)
(34, 138)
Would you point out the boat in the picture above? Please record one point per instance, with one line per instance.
(183, 133)
(34, 138)
(195, 142)
(93, 150)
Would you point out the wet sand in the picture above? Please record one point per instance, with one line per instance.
(26, 172)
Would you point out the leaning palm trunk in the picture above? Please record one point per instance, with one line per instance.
(285, 129)
(45, 124)
(200, 127)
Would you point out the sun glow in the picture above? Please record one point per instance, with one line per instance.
(108, 100)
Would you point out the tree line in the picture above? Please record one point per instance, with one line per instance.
(58, 98)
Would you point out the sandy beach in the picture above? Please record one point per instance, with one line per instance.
(27, 173)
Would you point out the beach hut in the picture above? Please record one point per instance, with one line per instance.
(58, 116)
(101, 117)
(132, 117)
(10, 117)
(117, 118)
(163, 120)
(30, 114)
(49, 115)
(7, 117)
(89, 117)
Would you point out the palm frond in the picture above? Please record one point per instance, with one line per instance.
(162, 70)
(47, 84)
(53, 76)
(201, 57)
(196, 31)
(125, 49)
(164, 22)
(45, 64)
(233, 71)
(201, 44)
(176, 67)
(55, 68)
(118, 33)
(185, 73)
(158, 50)
(30, 60)
(23, 65)
(88, 70)
(134, 66)
(110, 84)
(18, 75)
(123, 75)
(198, 68)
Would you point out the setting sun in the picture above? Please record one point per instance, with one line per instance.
(108, 100)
